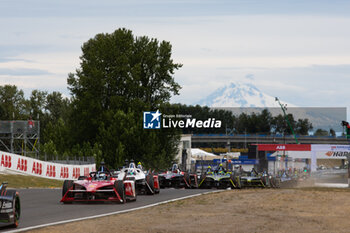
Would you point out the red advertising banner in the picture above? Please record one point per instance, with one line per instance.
(287, 147)
(25, 165)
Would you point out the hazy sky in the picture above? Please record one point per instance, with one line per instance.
(298, 50)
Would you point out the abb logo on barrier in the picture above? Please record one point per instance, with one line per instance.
(86, 171)
(51, 171)
(22, 164)
(37, 168)
(76, 172)
(6, 161)
(64, 172)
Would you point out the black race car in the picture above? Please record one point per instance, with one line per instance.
(255, 179)
(10, 206)
(177, 179)
(219, 178)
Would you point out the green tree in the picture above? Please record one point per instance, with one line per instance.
(57, 133)
(280, 125)
(54, 119)
(49, 148)
(57, 106)
(13, 104)
(303, 126)
(37, 102)
(120, 76)
(321, 132)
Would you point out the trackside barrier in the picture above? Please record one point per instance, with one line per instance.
(29, 166)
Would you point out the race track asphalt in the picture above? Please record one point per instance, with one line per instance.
(42, 206)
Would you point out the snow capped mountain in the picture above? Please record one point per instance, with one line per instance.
(244, 97)
(239, 94)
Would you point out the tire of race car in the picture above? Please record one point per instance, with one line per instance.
(16, 209)
(157, 190)
(187, 180)
(194, 182)
(239, 183)
(16, 206)
(119, 187)
(236, 180)
(273, 182)
(232, 179)
(150, 182)
(66, 186)
(277, 183)
(201, 183)
(161, 181)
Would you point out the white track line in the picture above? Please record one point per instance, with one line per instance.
(112, 213)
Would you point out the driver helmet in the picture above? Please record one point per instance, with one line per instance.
(139, 165)
(175, 167)
(220, 165)
(102, 176)
(132, 165)
(209, 167)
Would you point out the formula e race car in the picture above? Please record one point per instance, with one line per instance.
(254, 179)
(177, 179)
(99, 186)
(287, 181)
(145, 182)
(219, 179)
(10, 206)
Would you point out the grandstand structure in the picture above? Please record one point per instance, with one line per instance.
(20, 137)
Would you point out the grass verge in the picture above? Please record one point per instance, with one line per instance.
(22, 181)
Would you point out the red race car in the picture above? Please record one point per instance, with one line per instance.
(99, 186)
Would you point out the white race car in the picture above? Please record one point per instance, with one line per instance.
(146, 182)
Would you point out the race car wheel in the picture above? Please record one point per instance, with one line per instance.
(239, 185)
(273, 182)
(68, 184)
(202, 183)
(277, 183)
(16, 209)
(16, 206)
(194, 181)
(187, 180)
(119, 187)
(150, 182)
(235, 180)
(161, 181)
(157, 191)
